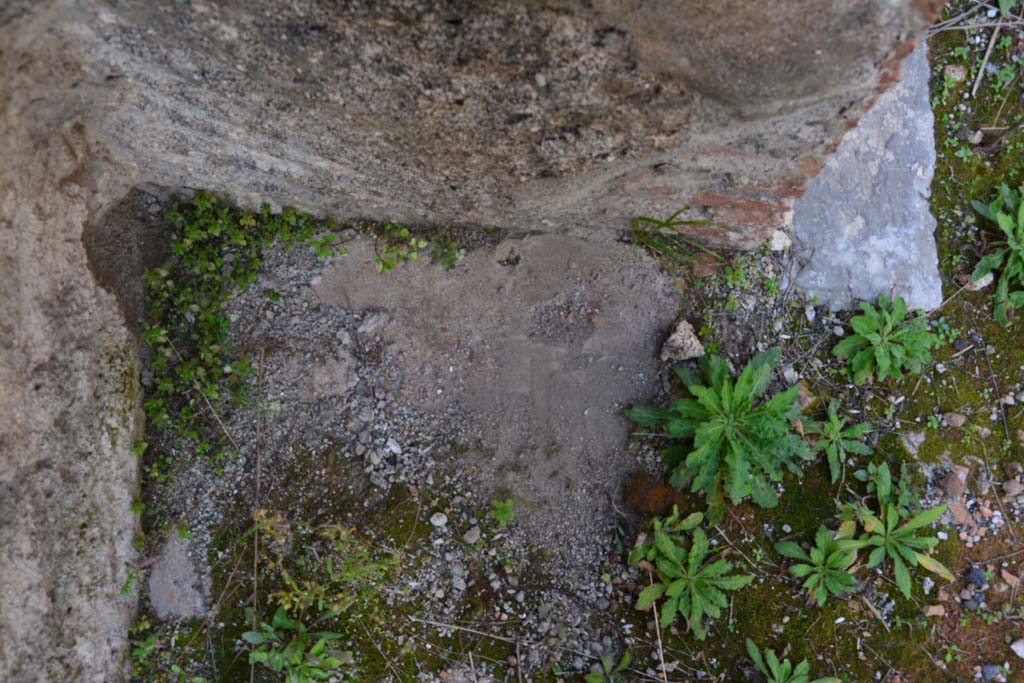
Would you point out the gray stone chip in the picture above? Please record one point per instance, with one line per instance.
(864, 226)
(177, 589)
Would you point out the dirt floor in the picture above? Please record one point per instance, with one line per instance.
(463, 416)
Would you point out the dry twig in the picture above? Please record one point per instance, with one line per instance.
(657, 630)
(984, 60)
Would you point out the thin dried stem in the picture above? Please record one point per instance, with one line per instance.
(657, 630)
(984, 60)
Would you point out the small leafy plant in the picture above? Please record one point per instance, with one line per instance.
(286, 646)
(736, 275)
(782, 672)
(1007, 212)
(897, 491)
(837, 440)
(827, 567)
(895, 536)
(144, 648)
(885, 342)
(153, 659)
(610, 669)
(394, 245)
(312, 576)
(502, 511)
(217, 253)
(674, 527)
(740, 442)
(945, 333)
(346, 574)
(902, 544)
(666, 242)
(689, 587)
(446, 249)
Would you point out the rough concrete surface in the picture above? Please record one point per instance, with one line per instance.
(554, 117)
(70, 394)
(539, 357)
(864, 227)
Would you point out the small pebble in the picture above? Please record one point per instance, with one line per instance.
(976, 575)
(992, 672)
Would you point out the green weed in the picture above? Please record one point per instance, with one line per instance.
(827, 567)
(446, 250)
(394, 245)
(335, 580)
(501, 511)
(217, 252)
(666, 242)
(610, 669)
(1007, 212)
(894, 536)
(782, 672)
(946, 333)
(885, 342)
(737, 439)
(897, 491)
(837, 440)
(689, 587)
(286, 646)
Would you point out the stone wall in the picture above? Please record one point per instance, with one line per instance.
(70, 387)
(542, 115)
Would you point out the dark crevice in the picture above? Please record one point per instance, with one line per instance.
(120, 245)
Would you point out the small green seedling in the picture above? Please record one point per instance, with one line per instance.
(686, 585)
(446, 250)
(894, 536)
(502, 512)
(145, 647)
(394, 245)
(666, 241)
(827, 567)
(286, 647)
(946, 334)
(897, 491)
(782, 672)
(610, 670)
(675, 528)
(1007, 212)
(837, 440)
(183, 677)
